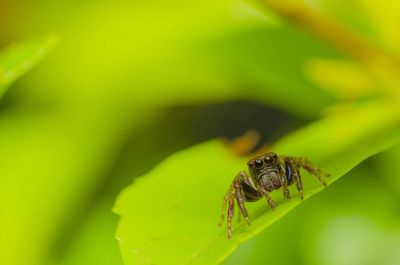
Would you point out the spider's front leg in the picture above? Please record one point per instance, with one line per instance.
(240, 190)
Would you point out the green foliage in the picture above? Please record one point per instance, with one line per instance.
(123, 65)
(95, 235)
(19, 58)
(269, 63)
(15, 60)
(169, 215)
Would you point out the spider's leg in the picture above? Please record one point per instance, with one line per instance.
(310, 168)
(245, 191)
(299, 184)
(265, 193)
(284, 181)
(227, 196)
(231, 209)
(239, 184)
(241, 190)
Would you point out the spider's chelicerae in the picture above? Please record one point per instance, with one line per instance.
(268, 172)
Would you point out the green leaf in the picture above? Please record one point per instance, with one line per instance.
(19, 58)
(272, 68)
(169, 216)
(95, 234)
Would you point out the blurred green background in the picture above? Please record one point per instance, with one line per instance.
(131, 82)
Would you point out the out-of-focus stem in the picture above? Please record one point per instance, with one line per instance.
(383, 65)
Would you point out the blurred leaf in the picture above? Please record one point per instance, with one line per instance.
(388, 168)
(270, 67)
(376, 20)
(19, 58)
(95, 234)
(384, 18)
(348, 82)
(236, 53)
(170, 215)
(381, 64)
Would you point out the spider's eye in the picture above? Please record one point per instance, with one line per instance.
(258, 163)
(274, 156)
(269, 159)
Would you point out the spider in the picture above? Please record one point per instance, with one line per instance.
(268, 172)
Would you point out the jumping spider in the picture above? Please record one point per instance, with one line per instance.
(268, 172)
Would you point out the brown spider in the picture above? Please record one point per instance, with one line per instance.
(268, 172)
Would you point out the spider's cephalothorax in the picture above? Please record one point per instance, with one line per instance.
(268, 172)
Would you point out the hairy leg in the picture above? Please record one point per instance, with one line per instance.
(265, 193)
(244, 190)
(241, 190)
(311, 168)
(227, 196)
(231, 209)
(240, 200)
(299, 184)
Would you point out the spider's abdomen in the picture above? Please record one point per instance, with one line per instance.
(250, 194)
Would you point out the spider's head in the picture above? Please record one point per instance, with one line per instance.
(263, 162)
